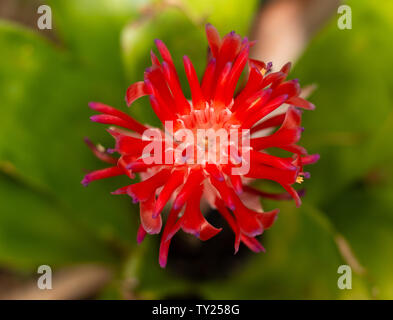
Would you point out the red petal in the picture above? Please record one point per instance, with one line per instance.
(198, 100)
(286, 68)
(123, 163)
(288, 134)
(229, 49)
(273, 79)
(252, 104)
(141, 234)
(264, 158)
(102, 174)
(165, 54)
(231, 221)
(214, 39)
(213, 170)
(267, 218)
(207, 81)
(174, 181)
(274, 196)
(269, 123)
(135, 91)
(193, 181)
(235, 73)
(220, 90)
(310, 159)
(102, 155)
(224, 192)
(144, 190)
(171, 227)
(257, 63)
(252, 243)
(161, 111)
(247, 219)
(150, 225)
(116, 117)
(260, 110)
(274, 174)
(156, 84)
(154, 59)
(294, 194)
(237, 183)
(194, 222)
(301, 103)
(253, 84)
(130, 145)
(141, 165)
(291, 88)
(171, 77)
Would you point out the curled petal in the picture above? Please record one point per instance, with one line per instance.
(144, 190)
(267, 218)
(247, 219)
(136, 91)
(193, 181)
(194, 222)
(150, 225)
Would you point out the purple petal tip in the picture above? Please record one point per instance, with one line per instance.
(85, 182)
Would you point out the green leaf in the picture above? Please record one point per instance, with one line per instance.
(91, 31)
(36, 231)
(43, 120)
(364, 214)
(224, 14)
(300, 262)
(353, 99)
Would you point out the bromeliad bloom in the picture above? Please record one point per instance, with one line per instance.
(179, 179)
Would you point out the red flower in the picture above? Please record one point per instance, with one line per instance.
(183, 181)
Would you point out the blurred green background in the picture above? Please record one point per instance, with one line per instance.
(96, 50)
